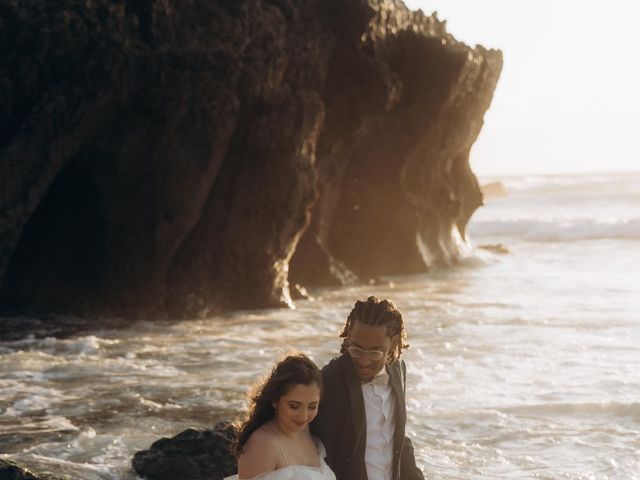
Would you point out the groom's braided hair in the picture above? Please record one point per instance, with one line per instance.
(377, 312)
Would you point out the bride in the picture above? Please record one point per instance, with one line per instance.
(274, 442)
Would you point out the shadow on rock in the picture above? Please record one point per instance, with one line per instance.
(11, 471)
(190, 455)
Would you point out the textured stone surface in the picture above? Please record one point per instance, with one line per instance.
(166, 158)
(13, 471)
(190, 455)
(399, 178)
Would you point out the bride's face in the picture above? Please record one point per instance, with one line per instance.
(298, 407)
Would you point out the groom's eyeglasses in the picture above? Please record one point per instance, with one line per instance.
(357, 352)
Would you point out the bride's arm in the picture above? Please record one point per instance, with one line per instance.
(260, 455)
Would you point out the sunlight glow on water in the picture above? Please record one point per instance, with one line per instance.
(523, 365)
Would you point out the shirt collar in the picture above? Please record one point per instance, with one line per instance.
(380, 378)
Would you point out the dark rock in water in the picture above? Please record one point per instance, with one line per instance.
(190, 455)
(493, 189)
(496, 248)
(12, 471)
(166, 158)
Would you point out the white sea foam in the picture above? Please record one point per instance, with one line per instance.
(36, 424)
(541, 183)
(562, 209)
(556, 229)
(612, 409)
(24, 397)
(86, 345)
(89, 345)
(31, 403)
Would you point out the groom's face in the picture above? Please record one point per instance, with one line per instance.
(369, 338)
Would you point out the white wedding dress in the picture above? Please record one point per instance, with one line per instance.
(298, 472)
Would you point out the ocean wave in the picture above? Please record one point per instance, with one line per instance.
(566, 181)
(557, 229)
(86, 345)
(37, 424)
(555, 410)
(615, 409)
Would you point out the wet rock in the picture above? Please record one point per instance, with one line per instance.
(496, 248)
(12, 471)
(493, 189)
(190, 455)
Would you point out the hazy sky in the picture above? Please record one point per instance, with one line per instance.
(568, 99)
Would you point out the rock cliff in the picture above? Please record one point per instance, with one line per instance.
(166, 158)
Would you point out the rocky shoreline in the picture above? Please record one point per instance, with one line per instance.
(12, 471)
(190, 455)
(171, 159)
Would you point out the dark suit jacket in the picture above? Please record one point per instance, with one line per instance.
(342, 427)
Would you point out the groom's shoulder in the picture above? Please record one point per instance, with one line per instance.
(334, 375)
(401, 364)
(334, 366)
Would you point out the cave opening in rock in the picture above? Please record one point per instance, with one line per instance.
(61, 253)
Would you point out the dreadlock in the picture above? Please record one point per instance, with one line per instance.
(375, 312)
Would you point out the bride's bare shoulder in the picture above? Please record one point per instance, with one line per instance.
(259, 455)
(262, 438)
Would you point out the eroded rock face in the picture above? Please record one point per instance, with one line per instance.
(396, 187)
(169, 158)
(157, 159)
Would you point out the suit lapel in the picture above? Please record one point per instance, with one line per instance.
(397, 385)
(356, 400)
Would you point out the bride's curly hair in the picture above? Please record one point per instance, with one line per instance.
(295, 369)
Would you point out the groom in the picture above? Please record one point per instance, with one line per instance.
(361, 418)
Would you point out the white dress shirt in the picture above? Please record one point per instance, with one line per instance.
(379, 406)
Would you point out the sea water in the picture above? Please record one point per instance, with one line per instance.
(524, 360)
